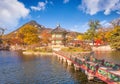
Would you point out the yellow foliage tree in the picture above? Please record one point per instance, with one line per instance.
(108, 35)
(80, 37)
(29, 34)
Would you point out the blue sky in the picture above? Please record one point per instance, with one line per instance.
(70, 14)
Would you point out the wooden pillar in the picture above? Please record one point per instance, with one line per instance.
(89, 75)
(76, 67)
(69, 62)
(64, 60)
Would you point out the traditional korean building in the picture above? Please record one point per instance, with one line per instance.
(58, 38)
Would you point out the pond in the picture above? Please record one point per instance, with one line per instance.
(113, 56)
(16, 68)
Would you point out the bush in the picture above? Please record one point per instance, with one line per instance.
(73, 49)
(43, 49)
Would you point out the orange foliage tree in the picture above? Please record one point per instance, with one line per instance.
(45, 37)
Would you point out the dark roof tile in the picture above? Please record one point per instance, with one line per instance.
(58, 29)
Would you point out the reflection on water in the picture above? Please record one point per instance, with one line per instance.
(16, 68)
(113, 56)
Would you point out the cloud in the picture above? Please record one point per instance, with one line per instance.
(84, 27)
(80, 28)
(94, 6)
(40, 6)
(105, 24)
(75, 28)
(65, 1)
(11, 11)
(118, 12)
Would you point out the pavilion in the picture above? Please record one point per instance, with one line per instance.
(58, 38)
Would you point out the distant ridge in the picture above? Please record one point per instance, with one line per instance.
(42, 28)
(33, 23)
(116, 22)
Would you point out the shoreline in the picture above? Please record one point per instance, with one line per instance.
(99, 48)
(50, 53)
(37, 53)
(102, 48)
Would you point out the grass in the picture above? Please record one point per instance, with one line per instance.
(73, 49)
(40, 50)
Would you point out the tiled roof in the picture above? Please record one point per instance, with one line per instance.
(58, 29)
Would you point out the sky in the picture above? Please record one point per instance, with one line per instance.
(70, 14)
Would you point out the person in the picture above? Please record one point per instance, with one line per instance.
(97, 66)
(103, 62)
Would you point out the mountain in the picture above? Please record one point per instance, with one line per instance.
(116, 22)
(33, 23)
(41, 29)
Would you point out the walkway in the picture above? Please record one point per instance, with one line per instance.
(92, 67)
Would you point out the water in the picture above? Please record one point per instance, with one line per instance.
(113, 56)
(16, 68)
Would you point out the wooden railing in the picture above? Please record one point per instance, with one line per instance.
(93, 66)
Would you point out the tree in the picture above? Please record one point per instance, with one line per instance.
(71, 36)
(1, 34)
(93, 24)
(108, 35)
(91, 32)
(15, 41)
(115, 38)
(116, 22)
(45, 37)
(2, 30)
(28, 34)
(80, 37)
